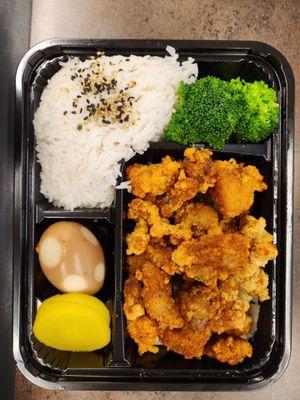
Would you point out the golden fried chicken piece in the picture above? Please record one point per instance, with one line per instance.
(142, 209)
(199, 165)
(199, 303)
(133, 305)
(256, 285)
(199, 217)
(153, 179)
(222, 307)
(138, 240)
(262, 248)
(235, 185)
(187, 341)
(158, 253)
(214, 257)
(229, 349)
(233, 317)
(144, 331)
(157, 296)
(183, 190)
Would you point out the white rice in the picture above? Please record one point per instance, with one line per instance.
(80, 167)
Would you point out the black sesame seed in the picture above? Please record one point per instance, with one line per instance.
(65, 112)
(73, 112)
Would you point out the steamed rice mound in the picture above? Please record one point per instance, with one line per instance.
(78, 146)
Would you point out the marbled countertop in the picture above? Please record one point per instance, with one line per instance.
(276, 22)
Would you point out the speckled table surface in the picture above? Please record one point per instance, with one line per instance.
(276, 22)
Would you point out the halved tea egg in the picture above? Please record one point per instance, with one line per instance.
(71, 258)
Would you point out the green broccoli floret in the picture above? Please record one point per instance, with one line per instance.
(207, 112)
(259, 110)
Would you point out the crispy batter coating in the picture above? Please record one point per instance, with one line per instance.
(233, 316)
(199, 217)
(214, 257)
(235, 185)
(256, 285)
(229, 349)
(144, 331)
(138, 240)
(199, 165)
(159, 227)
(262, 248)
(183, 190)
(222, 307)
(157, 296)
(158, 253)
(187, 341)
(199, 302)
(133, 305)
(153, 179)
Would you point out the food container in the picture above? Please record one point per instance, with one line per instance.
(118, 367)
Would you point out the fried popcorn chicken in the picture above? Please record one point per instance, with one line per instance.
(199, 217)
(214, 257)
(153, 179)
(133, 306)
(187, 341)
(262, 248)
(235, 185)
(193, 272)
(159, 227)
(157, 296)
(138, 240)
(229, 349)
(158, 253)
(183, 190)
(199, 165)
(233, 317)
(256, 285)
(223, 308)
(199, 303)
(144, 331)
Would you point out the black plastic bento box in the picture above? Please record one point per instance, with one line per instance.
(118, 366)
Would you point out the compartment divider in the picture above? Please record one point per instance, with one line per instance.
(251, 149)
(118, 323)
(43, 211)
